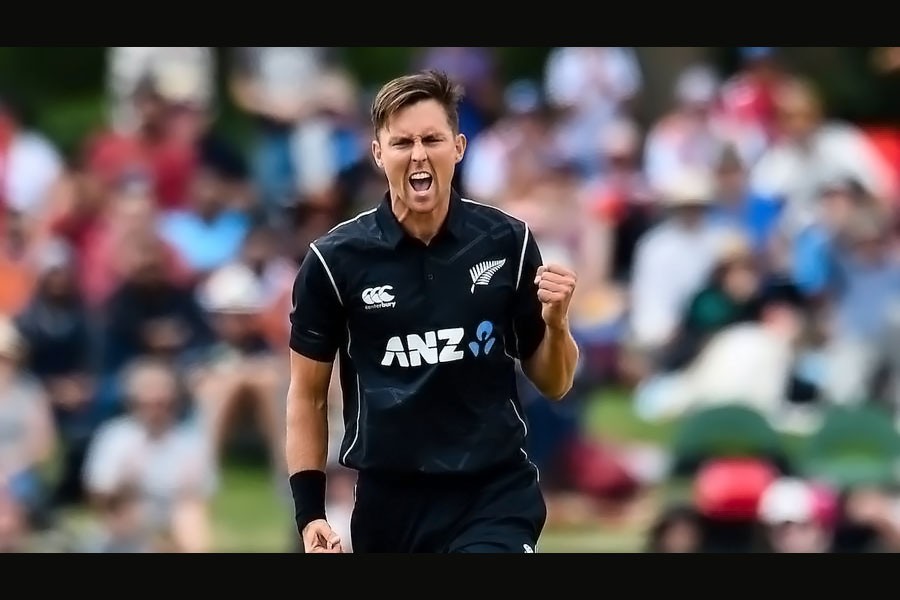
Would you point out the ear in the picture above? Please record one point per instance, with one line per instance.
(376, 154)
(461, 143)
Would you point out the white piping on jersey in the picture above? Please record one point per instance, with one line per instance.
(525, 436)
(358, 404)
(524, 238)
(312, 246)
(322, 259)
(348, 221)
(522, 256)
(349, 341)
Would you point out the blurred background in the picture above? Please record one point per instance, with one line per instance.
(731, 212)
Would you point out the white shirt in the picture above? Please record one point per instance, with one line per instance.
(31, 168)
(163, 468)
(671, 264)
(837, 150)
(183, 73)
(746, 362)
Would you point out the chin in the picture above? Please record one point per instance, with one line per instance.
(419, 202)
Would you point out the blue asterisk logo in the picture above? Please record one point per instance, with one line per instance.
(484, 339)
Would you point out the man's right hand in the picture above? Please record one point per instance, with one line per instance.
(319, 537)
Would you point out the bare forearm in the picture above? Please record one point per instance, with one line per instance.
(306, 446)
(552, 367)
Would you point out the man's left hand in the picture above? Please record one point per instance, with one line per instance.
(555, 284)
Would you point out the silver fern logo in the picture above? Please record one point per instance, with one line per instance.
(484, 271)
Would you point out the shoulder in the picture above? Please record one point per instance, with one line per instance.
(654, 236)
(175, 216)
(117, 430)
(189, 437)
(491, 219)
(839, 136)
(35, 146)
(356, 231)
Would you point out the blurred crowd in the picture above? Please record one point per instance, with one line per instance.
(739, 252)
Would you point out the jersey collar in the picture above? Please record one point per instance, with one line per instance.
(394, 233)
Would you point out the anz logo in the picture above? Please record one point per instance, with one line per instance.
(441, 346)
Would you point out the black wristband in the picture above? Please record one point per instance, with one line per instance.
(308, 490)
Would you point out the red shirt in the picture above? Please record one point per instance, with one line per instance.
(170, 164)
(750, 100)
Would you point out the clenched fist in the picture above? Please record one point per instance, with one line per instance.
(555, 286)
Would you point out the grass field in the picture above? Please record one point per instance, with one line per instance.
(250, 517)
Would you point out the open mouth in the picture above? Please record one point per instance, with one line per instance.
(421, 181)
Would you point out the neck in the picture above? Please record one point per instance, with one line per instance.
(422, 226)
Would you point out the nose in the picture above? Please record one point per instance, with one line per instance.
(418, 152)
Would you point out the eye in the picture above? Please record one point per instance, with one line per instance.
(401, 143)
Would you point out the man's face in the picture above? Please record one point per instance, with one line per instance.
(155, 398)
(802, 538)
(797, 115)
(418, 151)
(732, 179)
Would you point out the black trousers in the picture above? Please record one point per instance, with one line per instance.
(501, 511)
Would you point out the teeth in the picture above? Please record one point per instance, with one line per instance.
(420, 176)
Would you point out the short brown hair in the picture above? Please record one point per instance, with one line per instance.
(409, 89)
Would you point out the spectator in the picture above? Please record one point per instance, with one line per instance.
(209, 231)
(264, 253)
(672, 260)
(791, 512)
(298, 97)
(749, 362)
(167, 461)
(811, 150)
(63, 355)
(864, 329)
(185, 73)
(523, 128)
(691, 135)
(121, 528)
(240, 369)
(738, 206)
(868, 520)
(620, 201)
(729, 297)
(811, 245)
(590, 87)
(15, 528)
(131, 213)
(31, 163)
(749, 95)
(148, 313)
(161, 146)
(29, 436)
(678, 530)
(16, 267)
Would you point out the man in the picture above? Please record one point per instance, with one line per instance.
(429, 298)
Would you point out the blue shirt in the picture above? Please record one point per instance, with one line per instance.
(205, 245)
(865, 295)
(756, 216)
(812, 261)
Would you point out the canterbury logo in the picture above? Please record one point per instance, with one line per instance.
(483, 271)
(378, 297)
